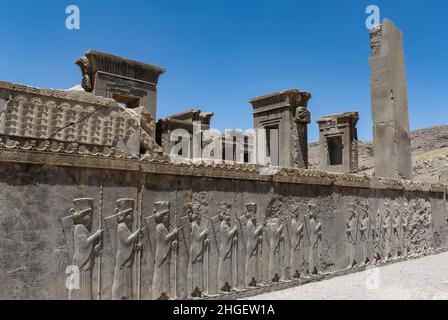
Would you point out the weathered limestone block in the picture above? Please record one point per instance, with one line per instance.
(391, 141)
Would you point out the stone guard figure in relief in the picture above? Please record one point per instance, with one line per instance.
(198, 249)
(315, 235)
(397, 233)
(274, 230)
(365, 235)
(122, 287)
(351, 232)
(165, 242)
(387, 231)
(228, 240)
(296, 243)
(253, 245)
(84, 244)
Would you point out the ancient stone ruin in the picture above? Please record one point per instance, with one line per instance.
(96, 206)
(389, 103)
(338, 142)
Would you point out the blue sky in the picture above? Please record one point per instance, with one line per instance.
(219, 54)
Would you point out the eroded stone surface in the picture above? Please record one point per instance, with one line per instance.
(392, 149)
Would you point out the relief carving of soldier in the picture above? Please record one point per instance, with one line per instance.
(127, 246)
(404, 229)
(253, 245)
(365, 235)
(351, 232)
(227, 243)
(198, 249)
(274, 230)
(424, 221)
(84, 245)
(296, 244)
(387, 231)
(315, 234)
(165, 240)
(397, 233)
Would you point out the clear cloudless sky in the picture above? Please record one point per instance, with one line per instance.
(220, 53)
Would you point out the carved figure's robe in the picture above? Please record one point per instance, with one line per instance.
(122, 285)
(196, 263)
(313, 261)
(351, 240)
(365, 240)
(161, 278)
(296, 246)
(83, 259)
(225, 256)
(252, 246)
(387, 237)
(275, 246)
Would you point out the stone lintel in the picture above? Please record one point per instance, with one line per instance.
(341, 119)
(280, 99)
(185, 119)
(115, 65)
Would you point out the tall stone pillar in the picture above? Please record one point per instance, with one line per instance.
(284, 113)
(391, 141)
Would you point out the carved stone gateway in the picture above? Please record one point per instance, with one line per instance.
(285, 117)
(130, 83)
(391, 141)
(338, 142)
(184, 122)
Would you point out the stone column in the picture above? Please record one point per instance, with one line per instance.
(391, 141)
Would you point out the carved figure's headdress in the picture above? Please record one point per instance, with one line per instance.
(161, 208)
(82, 207)
(125, 207)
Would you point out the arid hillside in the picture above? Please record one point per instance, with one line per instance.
(429, 153)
